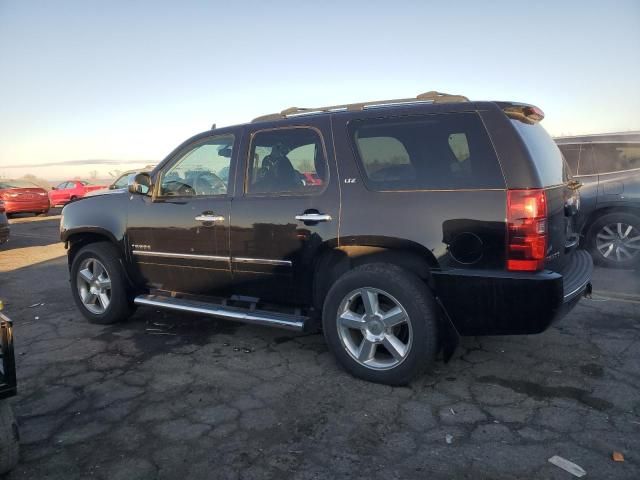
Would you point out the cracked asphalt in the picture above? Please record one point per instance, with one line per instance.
(167, 396)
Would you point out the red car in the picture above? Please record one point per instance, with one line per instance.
(20, 196)
(71, 190)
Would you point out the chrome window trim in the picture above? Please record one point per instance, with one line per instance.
(619, 171)
(185, 256)
(560, 142)
(262, 261)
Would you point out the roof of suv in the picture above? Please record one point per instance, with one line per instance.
(601, 138)
(424, 98)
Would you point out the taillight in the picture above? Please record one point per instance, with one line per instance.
(526, 229)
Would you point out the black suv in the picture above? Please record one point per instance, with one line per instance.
(393, 225)
(608, 166)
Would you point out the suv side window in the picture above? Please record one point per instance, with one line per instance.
(616, 157)
(201, 171)
(587, 164)
(571, 154)
(286, 160)
(426, 152)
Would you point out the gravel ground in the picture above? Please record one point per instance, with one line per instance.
(173, 396)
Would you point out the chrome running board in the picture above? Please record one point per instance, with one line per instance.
(255, 317)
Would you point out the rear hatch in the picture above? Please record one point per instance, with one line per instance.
(561, 190)
(27, 194)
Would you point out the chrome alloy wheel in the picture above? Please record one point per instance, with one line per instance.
(374, 328)
(94, 286)
(618, 241)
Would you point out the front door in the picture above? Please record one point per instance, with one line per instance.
(285, 210)
(179, 236)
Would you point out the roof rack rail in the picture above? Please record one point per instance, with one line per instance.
(427, 97)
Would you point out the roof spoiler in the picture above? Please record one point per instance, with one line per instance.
(529, 114)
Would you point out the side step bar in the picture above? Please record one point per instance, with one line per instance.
(256, 317)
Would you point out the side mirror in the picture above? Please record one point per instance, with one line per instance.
(140, 184)
(53, 188)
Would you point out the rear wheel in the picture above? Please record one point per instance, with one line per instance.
(380, 322)
(614, 240)
(99, 285)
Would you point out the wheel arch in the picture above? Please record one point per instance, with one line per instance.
(76, 239)
(605, 210)
(334, 261)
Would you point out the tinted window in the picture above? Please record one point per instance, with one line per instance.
(286, 160)
(572, 156)
(587, 164)
(614, 157)
(200, 171)
(544, 152)
(444, 151)
(123, 181)
(62, 186)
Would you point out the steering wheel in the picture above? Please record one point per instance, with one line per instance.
(208, 183)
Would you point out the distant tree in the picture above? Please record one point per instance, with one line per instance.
(41, 182)
(93, 174)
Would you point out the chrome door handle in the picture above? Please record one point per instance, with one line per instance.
(314, 217)
(210, 217)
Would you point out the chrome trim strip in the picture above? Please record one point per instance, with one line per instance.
(290, 322)
(599, 142)
(574, 293)
(185, 256)
(262, 261)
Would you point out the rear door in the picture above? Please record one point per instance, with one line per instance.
(280, 218)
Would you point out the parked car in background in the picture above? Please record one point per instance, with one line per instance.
(608, 166)
(120, 182)
(20, 196)
(430, 217)
(4, 224)
(71, 190)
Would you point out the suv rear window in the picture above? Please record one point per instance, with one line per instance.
(427, 152)
(616, 157)
(544, 152)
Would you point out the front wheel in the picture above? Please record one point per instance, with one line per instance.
(99, 285)
(614, 240)
(380, 322)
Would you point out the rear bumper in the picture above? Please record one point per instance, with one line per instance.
(28, 206)
(512, 303)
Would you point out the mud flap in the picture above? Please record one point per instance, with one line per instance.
(449, 336)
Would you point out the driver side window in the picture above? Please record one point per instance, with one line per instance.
(201, 171)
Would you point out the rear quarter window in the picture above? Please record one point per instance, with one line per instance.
(426, 152)
(616, 157)
(544, 152)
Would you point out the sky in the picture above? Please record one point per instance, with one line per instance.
(127, 81)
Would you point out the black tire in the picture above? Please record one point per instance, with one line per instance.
(119, 307)
(44, 213)
(412, 294)
(9, 438)
(608, 220)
